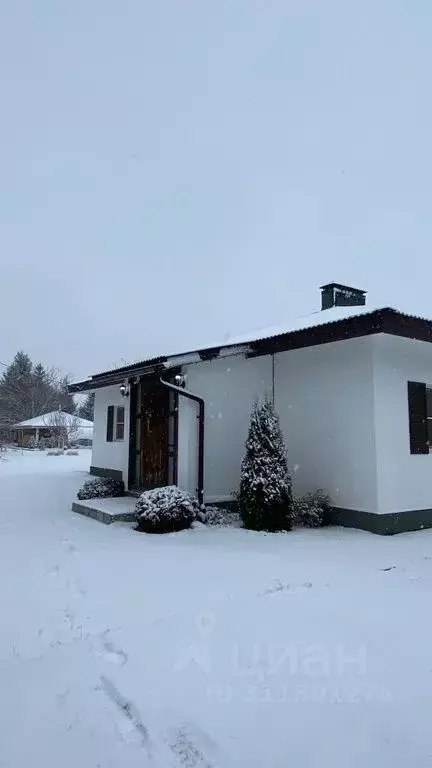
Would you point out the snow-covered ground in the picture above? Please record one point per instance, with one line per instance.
(211, 647)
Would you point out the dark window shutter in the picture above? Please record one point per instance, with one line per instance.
(110, 424)
(417, 417)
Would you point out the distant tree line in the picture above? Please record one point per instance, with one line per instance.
(29, 389)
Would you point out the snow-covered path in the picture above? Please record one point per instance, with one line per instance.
(206, 648)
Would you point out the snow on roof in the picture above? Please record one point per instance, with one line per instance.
(236, 344)
(321, 317)
(56, 417)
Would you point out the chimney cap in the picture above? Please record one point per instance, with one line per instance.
(342, 287)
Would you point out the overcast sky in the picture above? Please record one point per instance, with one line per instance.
(172, 171)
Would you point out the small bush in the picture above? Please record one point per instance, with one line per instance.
(72, 453)
(218, 516)
(100, 488)
(56, 452)
(312, 510)
(165, 510)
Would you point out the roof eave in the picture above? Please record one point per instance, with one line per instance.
(385, 320)
(335, 330)
(119, 375)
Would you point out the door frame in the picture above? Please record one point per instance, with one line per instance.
(172, 449)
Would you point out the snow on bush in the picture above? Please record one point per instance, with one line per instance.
(265, 495)
(218, 516)
(72, 453)
(164, 510)
(100, 488)
(312, 509)
(56, 452)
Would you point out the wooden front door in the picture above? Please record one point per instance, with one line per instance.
(155, 436)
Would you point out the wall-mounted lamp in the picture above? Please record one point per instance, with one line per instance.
(180, 380)
(124, 390)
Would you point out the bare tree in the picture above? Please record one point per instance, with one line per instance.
(64, 427)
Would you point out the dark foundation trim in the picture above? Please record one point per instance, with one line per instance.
(113, 474)
(385, 524)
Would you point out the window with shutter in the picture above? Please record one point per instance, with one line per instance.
(110, 424)
(418, 417)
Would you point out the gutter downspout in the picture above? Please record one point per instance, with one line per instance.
(200, 401)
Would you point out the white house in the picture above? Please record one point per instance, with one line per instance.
(353, 389)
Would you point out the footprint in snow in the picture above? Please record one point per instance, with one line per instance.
(113, 655)
(62, 697)
(75, 590)
(280, 586)
(183, 743)
(69, 546)
(109, 652)
(134, 724)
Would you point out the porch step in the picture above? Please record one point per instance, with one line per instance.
(111, 510)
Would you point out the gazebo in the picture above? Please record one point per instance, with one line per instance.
(50, 426)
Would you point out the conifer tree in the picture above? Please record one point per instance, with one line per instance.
(265, 497)
(86, 409)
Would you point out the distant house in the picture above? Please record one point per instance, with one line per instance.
(48, 426)
(353, 388)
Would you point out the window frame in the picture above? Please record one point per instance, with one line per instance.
(116, 422)
(429, 416)
(417, 418)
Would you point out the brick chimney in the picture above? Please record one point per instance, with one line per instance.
(337, 295)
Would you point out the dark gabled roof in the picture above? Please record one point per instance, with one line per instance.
(345, 323)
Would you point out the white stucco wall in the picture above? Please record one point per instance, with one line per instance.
(404, 479)
(229, 387)
(324, 396)
(187, 456)
(110, 455)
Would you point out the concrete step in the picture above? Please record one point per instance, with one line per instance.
(111, 510)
